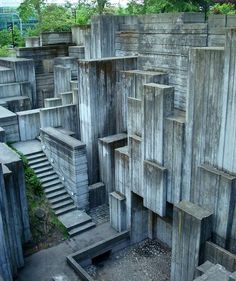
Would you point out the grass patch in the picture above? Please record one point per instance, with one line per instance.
(45, 227)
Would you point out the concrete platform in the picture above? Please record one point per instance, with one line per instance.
(52, 262)
(28, 147)
(74, 218)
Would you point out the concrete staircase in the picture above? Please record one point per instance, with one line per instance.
(74, 220)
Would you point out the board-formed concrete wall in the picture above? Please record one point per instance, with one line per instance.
(14, 221)
(68, 158)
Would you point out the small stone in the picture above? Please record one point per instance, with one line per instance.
(40, 213)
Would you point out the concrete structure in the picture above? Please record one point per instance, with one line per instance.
(14, 221)
(152, 106)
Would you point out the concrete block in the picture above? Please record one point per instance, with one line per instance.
(97, 101)
(97, 195)
(2, 135)
(52, 102)
(29, 124)
(155, 187)
(117, 211)
(192, 227)
(106, 147)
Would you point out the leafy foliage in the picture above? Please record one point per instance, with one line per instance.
(5, 38)
(4, 52)
(55, 18)
(225, 8)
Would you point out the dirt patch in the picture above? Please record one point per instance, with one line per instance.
(145, 261)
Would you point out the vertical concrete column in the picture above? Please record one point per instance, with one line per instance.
(117, 211)
(204, 111)
(62, 78)
(106, 147)
(191, 229)
(158, 104)
(227, 148)
(98, 94)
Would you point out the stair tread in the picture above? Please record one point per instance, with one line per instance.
(56, 192)
(44, 174)
(59, 198)
(65, 210)
(38, 160)
(81, 229)
(43, 169)
(49, 178)
(39, 165)
(51, 183)
(63, 204)
(35, 155)
(74, 219)
(55, 188)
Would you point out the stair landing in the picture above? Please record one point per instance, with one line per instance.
(74, 220)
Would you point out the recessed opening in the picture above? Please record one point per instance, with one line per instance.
(101, 258)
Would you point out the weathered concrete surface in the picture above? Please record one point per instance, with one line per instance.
(97, 101)
(106, 148)
(97, 195)
(192, 227)
(14, 220)
(54, 38)
(61, 116)
(8, 121)
(24, 74)
(47, 263)
(62, 78)
(29, 124)
(68, 158)
(117, 211)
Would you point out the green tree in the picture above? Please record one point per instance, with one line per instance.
(56, 18)
(29, 8)
(5, 38)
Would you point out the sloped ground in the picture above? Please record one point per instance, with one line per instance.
(146, 261)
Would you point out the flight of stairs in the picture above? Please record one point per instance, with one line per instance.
(74, 220)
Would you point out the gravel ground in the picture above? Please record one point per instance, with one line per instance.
(146, 261)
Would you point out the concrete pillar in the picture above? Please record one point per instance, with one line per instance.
(97, 195)
(158, 104)
(117, 211)
(139, 219)
(122, 178)
(67, 98)
(98, 80)
(51, 102)
(227, 150)
(62, 78)
(2, 135)
(106, 147)
(192, 227)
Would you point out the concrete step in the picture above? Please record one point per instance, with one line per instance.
(35, 155)
(63, 204)
(54, 193)
(65, 210)
(51, 183)
(40, 165)
(49, 178)
(75, 219)
(38, 160)
(43, 169)
(60, 198)
(45, 174)
(81, 229)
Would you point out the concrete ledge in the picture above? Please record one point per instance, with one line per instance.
(85, 256)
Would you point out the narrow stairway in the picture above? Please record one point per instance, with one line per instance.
(74, 220)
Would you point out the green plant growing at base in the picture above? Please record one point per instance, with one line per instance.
(37, 200)
(225, 9)
(4, 52)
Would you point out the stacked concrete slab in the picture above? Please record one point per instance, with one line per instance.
(14, 222)
(44, 65)
(17, 84)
